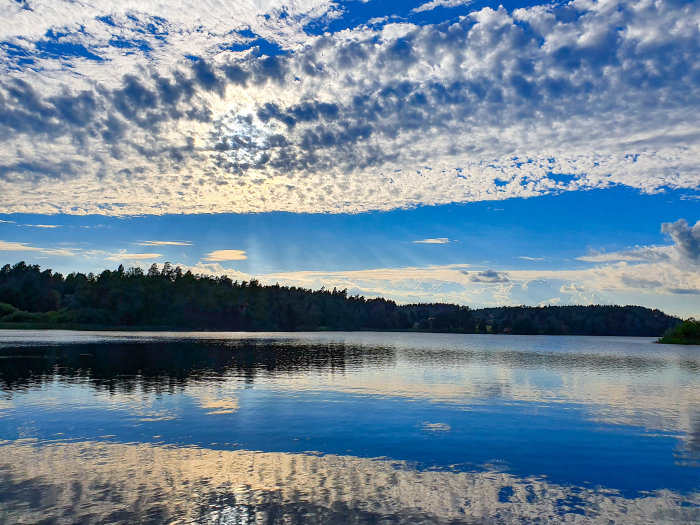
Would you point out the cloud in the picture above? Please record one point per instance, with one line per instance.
(685, 291)
(215, 270)
(578, 294)
(95, 253)
(685, 237)
(125, 256)
(42, 225)
(639, 253)
(121, 255)
(429, 6)
(526, 258)
(164, 243)
(217, 405)
(390, 484)
(438, 240)
(240, 109)
(226, 255)
(7, 222)
(6, 246)
(571, 288)
(487, 276)
(685, 247)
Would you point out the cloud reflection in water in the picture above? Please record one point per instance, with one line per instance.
(289, 427)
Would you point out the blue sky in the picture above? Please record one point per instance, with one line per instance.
(473, 152)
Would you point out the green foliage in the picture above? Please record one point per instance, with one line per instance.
(62, 316)
(685, 333)
(24, 317)
(6, 309)
(169, 298)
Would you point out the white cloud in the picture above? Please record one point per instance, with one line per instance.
(7, 222)
(95, 253)
(226, 255)
(540, 100)
(164, 243)
(8, 246)
(429, 6)
(50, 226)
(578, 294)
(526, 258)
(214, 270)
(438, 240)
(123, 255)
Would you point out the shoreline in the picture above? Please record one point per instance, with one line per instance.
(161, 329)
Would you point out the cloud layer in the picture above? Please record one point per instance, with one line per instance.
(665, 276)
(143, 107)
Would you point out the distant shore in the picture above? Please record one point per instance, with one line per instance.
(170, 299)
(106, 328)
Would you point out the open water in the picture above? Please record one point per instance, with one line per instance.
(125, 427)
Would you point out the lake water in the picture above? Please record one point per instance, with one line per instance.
(127, 427)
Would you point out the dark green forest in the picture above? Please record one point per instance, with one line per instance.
(173, 299)
(685, 333)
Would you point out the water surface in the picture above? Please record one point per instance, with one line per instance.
(346, 428)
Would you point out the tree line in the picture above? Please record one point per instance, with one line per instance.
(171, 298)
(685, 333)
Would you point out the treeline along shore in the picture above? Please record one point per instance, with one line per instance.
(169, 298)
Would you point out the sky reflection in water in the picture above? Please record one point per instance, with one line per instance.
(319, 427)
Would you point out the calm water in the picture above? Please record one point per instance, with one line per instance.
(346, 428)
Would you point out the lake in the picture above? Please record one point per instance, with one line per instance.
(240, 428)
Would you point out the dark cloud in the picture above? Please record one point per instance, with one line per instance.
(685, 237)
(207, 78)
(684, 291)
(24, 110)
(236, 74)
(268, 69)
(171, 91)
(134, 99)
(637, 282)
(486, 276)
(37, 170)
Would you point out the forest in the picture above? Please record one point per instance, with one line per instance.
(169, 298)
(685, 333)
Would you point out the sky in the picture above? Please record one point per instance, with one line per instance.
(466, 151)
